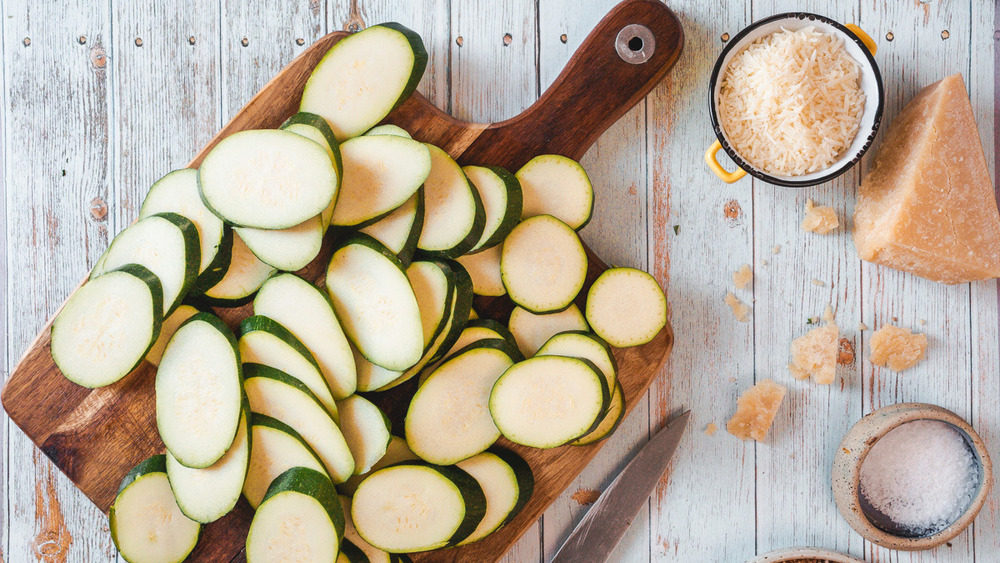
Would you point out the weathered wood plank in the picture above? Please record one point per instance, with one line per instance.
(699, 232)
(4, 361)
(616, 165)
(57, 124)
(919, 54)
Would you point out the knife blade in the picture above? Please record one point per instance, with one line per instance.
(594, 538)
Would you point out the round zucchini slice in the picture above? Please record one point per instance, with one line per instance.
(543, 264)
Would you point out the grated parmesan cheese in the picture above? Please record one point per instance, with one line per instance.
(791, 102)
(743, 277)
(740, 309)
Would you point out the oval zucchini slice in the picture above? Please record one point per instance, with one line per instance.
(244, 275)
(366, 429)
(277, 448)
(484, 267)
(543, 264)
(316, 129)
(288, 249)
(400, 230)
(453, 212)
(389, 129)
(501, 195)
(381, 172)
(610, 422)
(558, 186)
(507, 482)
(587, 345)
(626, 307)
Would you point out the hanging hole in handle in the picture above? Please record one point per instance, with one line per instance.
(635, 44)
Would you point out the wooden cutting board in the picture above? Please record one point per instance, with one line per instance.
(96, 435)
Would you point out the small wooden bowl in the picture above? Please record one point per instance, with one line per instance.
(796, 554)
(855, 447)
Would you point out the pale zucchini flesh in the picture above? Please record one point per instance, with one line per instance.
(277, 448)
(499, 483)
(500, 193)
(433, 291)
(626, 307)
(610, 422)
(587, 345)
(243, 277)
(396, 451)
(400, 230)
(366, 430)
(484, 267)
(475, 331)
(453, 213)
(558, 186)
(381, 172)
(389, 129)
(532, 331)
(316, 129)
(370, 376)
(371, 553)
(288, 249)
(167, 330)
(543, 264)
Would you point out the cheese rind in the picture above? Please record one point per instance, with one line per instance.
(755, 410)
(897, 348)
(927, 206)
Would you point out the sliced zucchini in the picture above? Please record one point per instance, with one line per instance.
(364, 76)
(177, 192)
(381, 172)
(395, 452)
(558, 186)
(300, 519)
(389, 129)
(243, 277)
(166, 244)
(484, 267)
(371, 553)
(288, 249)
(283, 397)
(448, 419)
(532, 331)
(316, 129)
(146, 523)
(199, 391)
(265, 341)
(305, 310)
(507, 482)
(453, 212)
(610, 422)
(626, 307)
(107, 326)
(415, 506)
(547, 401)
(370, 376)
(277, 448)
(366, 429)
(543, 264)
(350, 553)
(205, 495)
(474, 331)
(375, 303)
(267, 179)
(400, 230)
(500, 193)
(433, 286)
(586, 345)
(167, 330)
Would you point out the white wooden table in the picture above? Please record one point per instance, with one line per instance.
(100, 98)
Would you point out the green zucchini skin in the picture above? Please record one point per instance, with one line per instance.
(251, 370)
(512, 216)
(372, 243)
(261, 323)
(314, 484)
(224, 329)
(493, 325)
(192, 253)
(410, 247)
(419, 60)
(351, 553)
(597, 434)
(525, 479)
(217, 268)
(462, 305)
(320, 124)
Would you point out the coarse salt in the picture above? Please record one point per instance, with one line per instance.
(921, 476)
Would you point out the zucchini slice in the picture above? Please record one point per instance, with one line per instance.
(532, 331)
(433, 287)
(586, 345)
(366, 429)
(484, 267)
(373, 299)
(370, 376)
(389, 129)
(381, 172)
(543, 264)
(316, 129)
(626, 307)
(277, 448)
(306, 311)
(400, 230)
(300, 519)
(107, 326)
(395, 452)
(281, 396)
(177, 192)
(288, 249)
(205, 495)
(507, 482)
(500, 193)
(453, 212)
(167, 330)
(547, 401)
(265, 341)
(244, 275)
(448, 419)
(364, 76)
(350, 553)
(146, 523)
(199, 391)
(166, 244)
(267, 179)
(558, 186)
(371, 553)
(415, 506)
(475, 331)
(610, 422)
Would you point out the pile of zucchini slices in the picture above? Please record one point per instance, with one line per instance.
(276, 409)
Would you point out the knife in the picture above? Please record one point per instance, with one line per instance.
(605, 523)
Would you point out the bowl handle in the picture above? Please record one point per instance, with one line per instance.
(714, 166)
(864, 37)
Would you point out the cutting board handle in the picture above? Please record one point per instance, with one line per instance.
(596, 87)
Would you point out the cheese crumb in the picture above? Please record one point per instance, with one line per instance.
(828, 314)
(820, 283)
(776, 249)
(711, 428)
(743, 276)
(755, 410)
(819, 220)
(897, 348)
(862, 326)
(740, 309)
(815, 354)
(763, 262)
